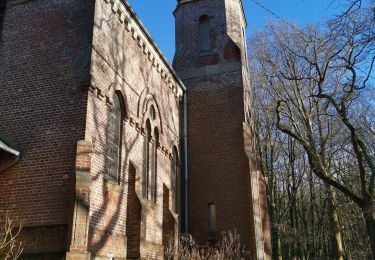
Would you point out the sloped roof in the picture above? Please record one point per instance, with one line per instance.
(5, 145)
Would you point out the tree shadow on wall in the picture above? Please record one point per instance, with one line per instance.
(118, 58)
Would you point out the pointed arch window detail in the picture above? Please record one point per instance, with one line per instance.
(204, 33)
(114, 138)
(150, 157)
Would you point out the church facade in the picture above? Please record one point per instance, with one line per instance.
(106, 151)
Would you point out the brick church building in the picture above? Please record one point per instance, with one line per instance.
(109, 152)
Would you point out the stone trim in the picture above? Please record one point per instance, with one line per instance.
(210, 70)
(139, 33)
(17, 2)
(182, 2)
(145, 100)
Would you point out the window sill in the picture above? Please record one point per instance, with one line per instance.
(112, 185)
(206, 53)
(149, 203)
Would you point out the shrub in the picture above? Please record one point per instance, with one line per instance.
(228, 248)
(10, 247)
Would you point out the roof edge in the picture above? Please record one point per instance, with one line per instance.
(8, 146)
(153, 43)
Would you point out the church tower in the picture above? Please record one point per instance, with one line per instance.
(225, 188)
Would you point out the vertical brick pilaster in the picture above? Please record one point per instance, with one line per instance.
(80, 225)
(170, 223)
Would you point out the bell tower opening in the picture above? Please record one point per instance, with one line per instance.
(204, 33)
(3, 4)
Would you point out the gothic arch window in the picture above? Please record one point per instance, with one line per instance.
(114, 138)
(2, 14)
(146, 161)
(176, 180)
(204, 33)
(154, 176)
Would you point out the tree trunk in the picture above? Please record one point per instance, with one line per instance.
(369, 215)
(337, 249)
(276, 251)
(279, 250)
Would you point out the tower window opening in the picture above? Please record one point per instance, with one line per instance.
(204, 33)
(211, 218)
(2, 14)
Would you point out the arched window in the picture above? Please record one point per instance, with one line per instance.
(154, 165)
(146, 161)
(2, 14)
(176, 180)
(204, 33)
(114, 138)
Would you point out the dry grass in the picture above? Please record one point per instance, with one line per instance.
(228, 248)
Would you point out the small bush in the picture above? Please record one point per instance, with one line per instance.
(10, 247)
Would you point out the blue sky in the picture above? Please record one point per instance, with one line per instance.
(157, 16)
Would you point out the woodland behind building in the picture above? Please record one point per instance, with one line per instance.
(314, 92)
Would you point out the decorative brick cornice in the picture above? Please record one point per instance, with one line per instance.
(149, 48)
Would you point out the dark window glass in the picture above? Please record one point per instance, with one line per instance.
(175, 181)
(152, 113)
(114, 139)
(211, 218)
(204, 33)
(146, 161)
(154, 166)
(2, 14)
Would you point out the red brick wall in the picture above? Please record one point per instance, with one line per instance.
(218, 166)
(124, 60)
(46, 57)
(44, 53)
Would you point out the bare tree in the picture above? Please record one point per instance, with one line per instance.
(10, 247)
(318, 80)
(294, 224)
